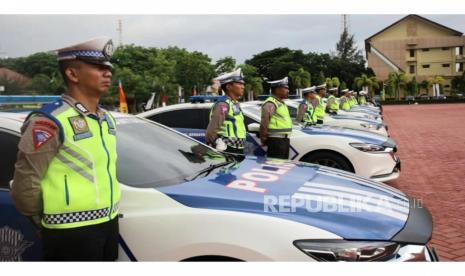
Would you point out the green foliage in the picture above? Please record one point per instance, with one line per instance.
(253, 81)
(224, 65)
(347, 50)
(300, 78)
(395, 82)
(365, 81)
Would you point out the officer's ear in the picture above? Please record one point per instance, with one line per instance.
(71, 72)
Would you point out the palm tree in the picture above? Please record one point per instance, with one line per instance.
(300, 79)
(397, 80)
(335, 82)
(369, 83)
(436, 80)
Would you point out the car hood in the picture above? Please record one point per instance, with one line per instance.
(300, 192)
(360, 119)
(360, 135)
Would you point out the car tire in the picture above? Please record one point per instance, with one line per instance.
(329, 159)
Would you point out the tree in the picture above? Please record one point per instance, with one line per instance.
(300, 79)
(458, 84)
(424, 85)
(224, 65)
(343, 86)
(396, 81)
(321, 78)
(436, 80)
(413, 87)
(253, 82)
(366, 82)
(335, 82)
(347, 50)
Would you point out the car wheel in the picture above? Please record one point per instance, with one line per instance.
(329, 159)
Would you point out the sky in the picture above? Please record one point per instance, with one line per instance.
(239, 36)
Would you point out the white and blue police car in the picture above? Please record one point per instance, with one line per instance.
(364, 153)
(184, 201)
(345, 121)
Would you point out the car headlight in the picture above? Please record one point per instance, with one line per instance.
(367, 147)
(348, 251)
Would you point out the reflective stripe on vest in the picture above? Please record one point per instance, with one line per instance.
(280, 121)
(80, 187)
(233, 130)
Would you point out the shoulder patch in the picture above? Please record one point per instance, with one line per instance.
(41, 136)
(47, 124)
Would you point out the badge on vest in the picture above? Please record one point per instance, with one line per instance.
(80, 128)
(236, 109)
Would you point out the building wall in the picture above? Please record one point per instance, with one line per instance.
(415, 34)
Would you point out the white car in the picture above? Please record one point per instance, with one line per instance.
(367, 154)
(344, 121)
(184, 201)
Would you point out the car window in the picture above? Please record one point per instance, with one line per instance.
(8, 150)
(150, 155)
(183, 118)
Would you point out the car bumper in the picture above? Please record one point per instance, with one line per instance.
(389, 176)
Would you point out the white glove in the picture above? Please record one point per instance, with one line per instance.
(220, 145)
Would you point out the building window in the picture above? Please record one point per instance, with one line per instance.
(445, 48)
(447, 86)
(425, 50)
(459, 67)
(412, 53)
(425, 66)
(412, 69)
(458, 50)
(446, 65)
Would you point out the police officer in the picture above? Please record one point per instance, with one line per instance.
(344, 100)
(332, 106)
(353, 99)
(65, 178)
(319, 103)
(276, 123)
(306, 109)
(226, 130)
(361, 98)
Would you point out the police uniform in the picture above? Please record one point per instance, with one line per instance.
(227, 120)
(332, 106)
(65, 174)
(320, 105)
(344, 100)
(276, 124)
(352, 99)
(361, 98)
(305, 112)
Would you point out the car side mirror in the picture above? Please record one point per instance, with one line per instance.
(253, 127)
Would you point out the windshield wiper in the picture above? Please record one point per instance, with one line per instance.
(209, 169)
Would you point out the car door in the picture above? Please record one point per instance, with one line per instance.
(19, 239)
(191, 121)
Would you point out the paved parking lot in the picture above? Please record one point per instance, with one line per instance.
(431, 142)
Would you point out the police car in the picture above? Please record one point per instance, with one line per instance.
(367, 154)
(345, 121)
(184, 201)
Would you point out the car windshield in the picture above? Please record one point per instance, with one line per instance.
(150, 155)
